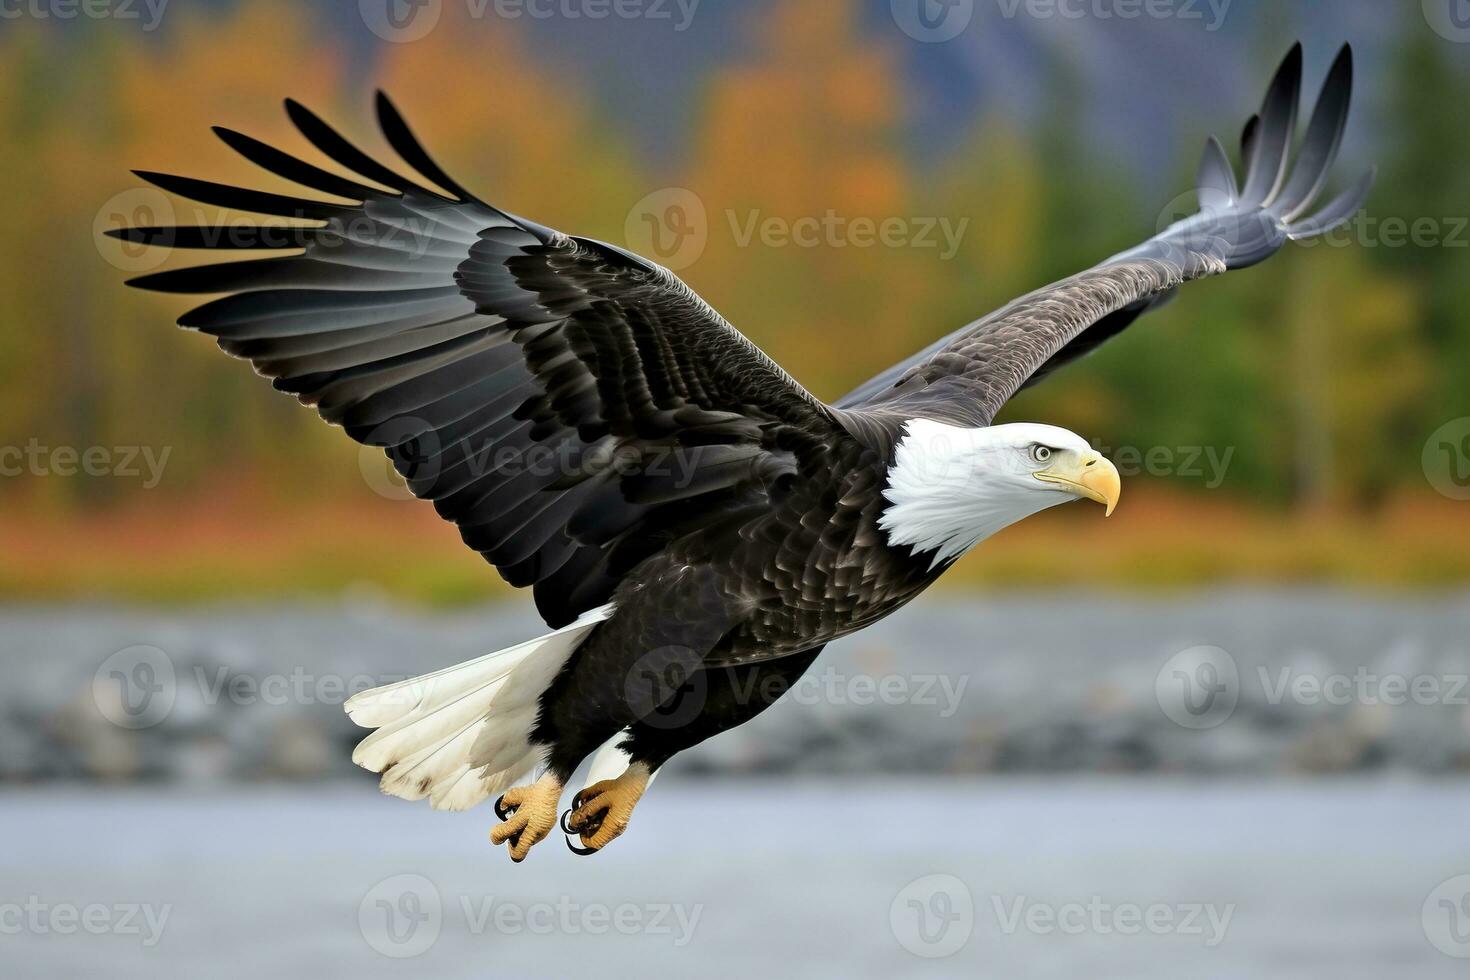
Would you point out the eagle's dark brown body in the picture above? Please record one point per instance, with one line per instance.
(712, 629)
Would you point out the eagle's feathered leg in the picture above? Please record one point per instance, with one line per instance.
(600, 812)
(528, 813)
(728, 696)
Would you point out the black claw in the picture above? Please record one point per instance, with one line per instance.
(580, 851)
(564, 815)
(501, 810)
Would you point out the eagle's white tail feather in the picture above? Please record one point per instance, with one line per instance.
(460, 734)
(417, 695)
(415, 776)
(473, 787)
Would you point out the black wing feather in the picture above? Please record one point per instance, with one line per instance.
(244, 237)
(240, 199)
(282, 164)
(470, 344)
(401, 138)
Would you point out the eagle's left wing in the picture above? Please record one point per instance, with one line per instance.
(967, 376)
(571, 407)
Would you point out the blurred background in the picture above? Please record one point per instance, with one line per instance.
(1233, 739)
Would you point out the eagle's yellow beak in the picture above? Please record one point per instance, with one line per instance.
(1087, 475)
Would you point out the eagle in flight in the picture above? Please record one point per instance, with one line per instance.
(694, 524)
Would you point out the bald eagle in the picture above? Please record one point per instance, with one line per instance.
(694, 524)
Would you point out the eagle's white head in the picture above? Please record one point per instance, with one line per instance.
(951, 487)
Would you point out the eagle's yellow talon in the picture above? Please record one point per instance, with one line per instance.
(600, 813)
(530, 815)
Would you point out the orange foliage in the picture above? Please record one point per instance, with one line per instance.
(808, 131)
(511, 130)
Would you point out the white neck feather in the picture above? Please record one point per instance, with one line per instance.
(951, 487)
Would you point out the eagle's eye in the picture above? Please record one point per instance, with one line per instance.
(1040, 453)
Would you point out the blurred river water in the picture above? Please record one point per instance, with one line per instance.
(1227, 784)
(1002, 877)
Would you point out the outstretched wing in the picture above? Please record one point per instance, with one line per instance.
(570, 406)
(967, 376)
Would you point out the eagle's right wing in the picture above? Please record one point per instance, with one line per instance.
(967, 376)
